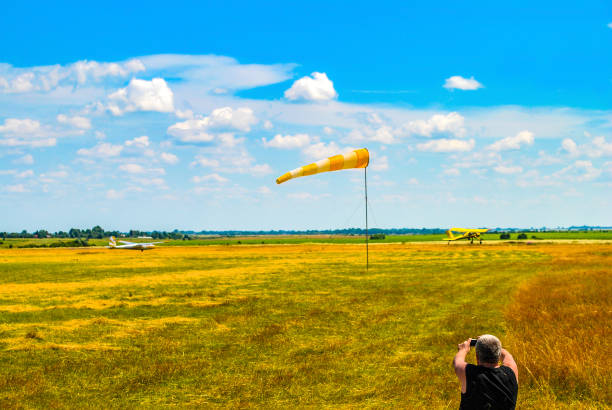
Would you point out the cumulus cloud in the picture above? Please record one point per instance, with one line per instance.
(268, 125)
(507, 170)
(447, 145)
(138, 142)
(315, 88)
(25, 132)
(215, 178)
(205, 162)
(142, 95)
(102, 150)
(203, 129)
(27, 159)
(379, 163)
(460, 83)
(512, 143)
(288, 141)
(169, 158)
(113, 194)
(595, 148)
(451, 123)
(321, 150)
(133, 168)
(25, 174)
(47, 78)
(579, 171)
(452, 172)
(18, 188)
(76, 121)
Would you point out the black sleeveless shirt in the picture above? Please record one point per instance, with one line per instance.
(489, 388)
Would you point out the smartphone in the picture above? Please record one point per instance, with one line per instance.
(473, 342)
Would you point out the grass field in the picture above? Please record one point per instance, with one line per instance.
(299, 325)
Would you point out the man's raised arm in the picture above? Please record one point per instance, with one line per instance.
(459, 363)
(508, 360)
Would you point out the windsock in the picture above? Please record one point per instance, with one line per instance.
(359, 158)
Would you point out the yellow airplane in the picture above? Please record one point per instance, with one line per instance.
(470, 234)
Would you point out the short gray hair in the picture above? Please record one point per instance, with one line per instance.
(488, 349)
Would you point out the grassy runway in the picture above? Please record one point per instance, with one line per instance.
(299, 325)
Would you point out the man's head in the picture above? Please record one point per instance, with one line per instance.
(488, 349)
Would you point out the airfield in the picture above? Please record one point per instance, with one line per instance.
(301, 323)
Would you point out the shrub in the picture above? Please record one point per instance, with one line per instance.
(377, 236)
(522, 236)
(504, 235)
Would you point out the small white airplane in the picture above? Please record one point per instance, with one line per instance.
(142, 246)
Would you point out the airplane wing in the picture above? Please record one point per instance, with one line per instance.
(468, 230)
(127, 243)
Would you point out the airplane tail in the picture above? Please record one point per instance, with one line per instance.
(449, 235)
(111, 242)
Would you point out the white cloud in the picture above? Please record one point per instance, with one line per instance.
(511, 143)
(507, 170)
(132, 168)
(102, 150)
(57, 174)
(579, 171)
(27, 159)
(288, 141)
(609, 25)
(268, 125)
(215, 178)
(25, 174)
(113, 194)
(260, 170)
(142, 95)
(25, 132)
(379, 163)
(413, 181)
(451, 123)
(76, 121)
(315, 88)
(202, 129)
(138, 142)
(19, 127)
(264, 190)
(18, 188)
(458, 82)
(321, 150)
(597, 147)
(447, 145)
(47, 78)
(452, 172)
(205, 162)
(169, 158)
(570, 146)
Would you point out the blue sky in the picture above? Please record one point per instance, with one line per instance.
(147, 116)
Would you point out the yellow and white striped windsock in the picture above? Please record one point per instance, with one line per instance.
(359, 158)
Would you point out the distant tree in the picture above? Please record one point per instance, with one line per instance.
(74, 233)
(522, 235)
(504, 235)
(97, 232)
(41, 233)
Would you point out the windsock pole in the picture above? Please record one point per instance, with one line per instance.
(365, 180)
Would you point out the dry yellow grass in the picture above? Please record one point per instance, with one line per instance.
(299, 325)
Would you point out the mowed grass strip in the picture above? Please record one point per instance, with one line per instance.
(273, 325)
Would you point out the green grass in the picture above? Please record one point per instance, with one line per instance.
(300, 239)
(265, 326)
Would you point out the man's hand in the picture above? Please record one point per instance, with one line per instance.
(465, 346)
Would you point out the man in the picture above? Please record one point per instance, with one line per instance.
(487, 385)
